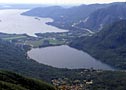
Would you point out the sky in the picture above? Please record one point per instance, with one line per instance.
(60, 1)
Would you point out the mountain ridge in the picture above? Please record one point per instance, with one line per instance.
(64, 17)
(83, 16)
(105, 16)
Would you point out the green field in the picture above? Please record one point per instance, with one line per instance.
(51, 41)
(35, 44)
(15, 37)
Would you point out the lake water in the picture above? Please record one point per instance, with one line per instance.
(66, 57)
(12, 22)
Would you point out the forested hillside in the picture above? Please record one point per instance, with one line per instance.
(108, 45)
(14, 58)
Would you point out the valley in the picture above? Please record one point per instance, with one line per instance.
(76, 48)
(104, 18)
(47, 39)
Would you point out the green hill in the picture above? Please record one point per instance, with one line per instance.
(13, 81)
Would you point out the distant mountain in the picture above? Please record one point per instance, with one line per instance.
(13, 81)
(20, 6)
(108, 45)
(65, 17)
(51, 11)
(93, 16)
(105, 16)
(78, 12)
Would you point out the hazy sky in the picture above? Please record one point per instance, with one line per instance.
(60, 1)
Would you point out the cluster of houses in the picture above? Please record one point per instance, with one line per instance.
(66, 84)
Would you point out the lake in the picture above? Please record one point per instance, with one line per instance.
(12, 22)
(66, 57)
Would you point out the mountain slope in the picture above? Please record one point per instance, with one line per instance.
(13, 81)
(65, 17)
(14, 58)
(108, 45)
(105, 16)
